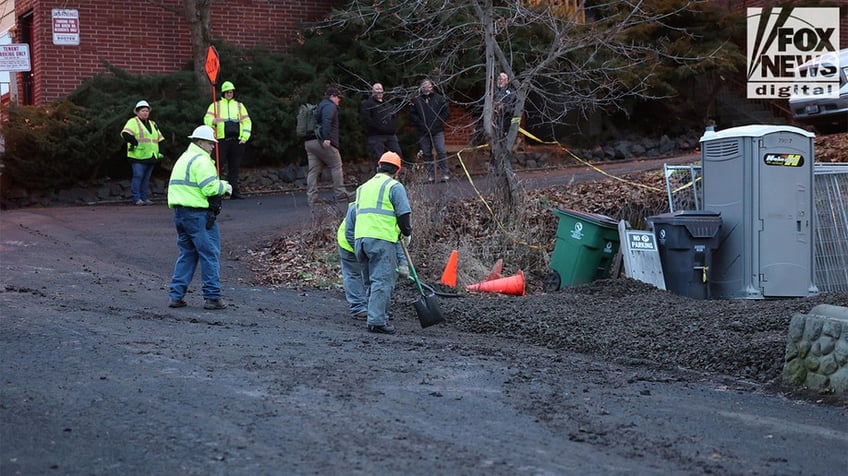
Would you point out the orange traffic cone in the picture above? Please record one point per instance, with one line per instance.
(449, 275)
(513, 285)
(495, 273)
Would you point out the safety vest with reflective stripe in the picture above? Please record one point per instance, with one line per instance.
(340, 233)
(148, 141)
(375, 214)
(193, 179)
(225, 110)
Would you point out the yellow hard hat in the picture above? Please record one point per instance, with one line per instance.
(227, 86)
(390, 158)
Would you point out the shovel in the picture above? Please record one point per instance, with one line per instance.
(427, 307)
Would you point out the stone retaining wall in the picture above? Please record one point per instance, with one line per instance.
(817, 349)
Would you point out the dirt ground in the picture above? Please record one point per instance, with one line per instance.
(99, 376)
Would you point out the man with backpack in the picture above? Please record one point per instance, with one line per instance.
(322, 149)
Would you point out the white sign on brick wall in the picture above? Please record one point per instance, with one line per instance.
(66, 29)
(14, 57)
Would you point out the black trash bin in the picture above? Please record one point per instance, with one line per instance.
(686, 240)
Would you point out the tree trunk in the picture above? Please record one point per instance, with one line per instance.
(502, 168)
(198, 14)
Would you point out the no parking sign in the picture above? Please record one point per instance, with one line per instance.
(66, 29)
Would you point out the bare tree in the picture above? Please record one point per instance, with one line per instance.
(198, 15)
(558, 61)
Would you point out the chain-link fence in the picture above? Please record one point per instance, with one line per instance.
(683, 186)
(831, 245)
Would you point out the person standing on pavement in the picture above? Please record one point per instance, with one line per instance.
(193, 186)
(143, 139)
(323, 151)
(383, 216)
(429, 114)
(380, 120)
(352, 278)
(232, 126)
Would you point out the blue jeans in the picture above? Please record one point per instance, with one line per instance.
(141, 179)
(379, 262)
(437, 141)
(354, 286)
(196, 244)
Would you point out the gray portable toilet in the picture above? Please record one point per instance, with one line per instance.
(760, 179)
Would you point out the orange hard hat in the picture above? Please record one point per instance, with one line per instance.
(390, 158)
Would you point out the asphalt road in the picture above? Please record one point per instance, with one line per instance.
(99, 376)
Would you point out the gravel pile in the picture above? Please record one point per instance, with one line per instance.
(629, 322)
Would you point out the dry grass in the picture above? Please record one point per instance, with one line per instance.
(483, 232)
(480, 230)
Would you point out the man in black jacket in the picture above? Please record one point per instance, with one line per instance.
(429, 114)
(504, 103)
(380, 120)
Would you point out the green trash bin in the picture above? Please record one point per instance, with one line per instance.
(584, 250)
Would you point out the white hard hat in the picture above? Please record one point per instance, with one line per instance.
(141, 104)
(203, 132)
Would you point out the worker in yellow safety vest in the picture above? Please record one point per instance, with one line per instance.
(193, 190)
(143, 139)
(232, 126)
(352, 278)
(383, 216)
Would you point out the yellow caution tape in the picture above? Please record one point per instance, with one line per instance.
(517, 120)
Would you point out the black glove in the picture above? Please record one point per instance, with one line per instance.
(215, 205)
(210, 219)
(130, 139)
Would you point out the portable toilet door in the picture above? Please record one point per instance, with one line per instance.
(786, 213)
(760, 179)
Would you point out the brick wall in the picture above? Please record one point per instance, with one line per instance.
(121, 32)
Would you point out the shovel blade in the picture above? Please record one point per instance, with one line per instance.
(427, 308)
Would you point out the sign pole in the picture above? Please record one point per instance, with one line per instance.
(213, 67)
(13, 88)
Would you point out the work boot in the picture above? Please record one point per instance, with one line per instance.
(384, 329)
(214, 304)
(177, 303)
